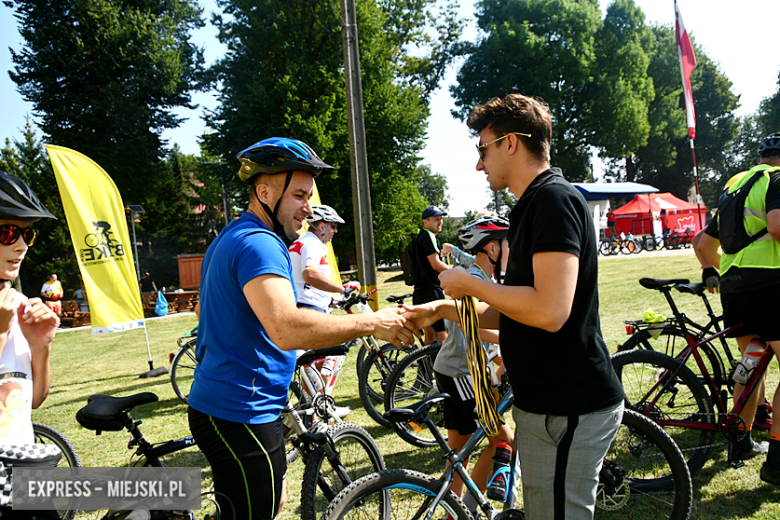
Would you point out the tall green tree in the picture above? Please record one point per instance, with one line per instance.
(103, 77)
(543, 48)
(769, 112)
(666, 161)
(432, 186)
(283, 75)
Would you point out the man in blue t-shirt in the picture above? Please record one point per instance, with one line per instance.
(250, 328)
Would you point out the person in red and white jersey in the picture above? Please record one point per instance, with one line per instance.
(313, 284)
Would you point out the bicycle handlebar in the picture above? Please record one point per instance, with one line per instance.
(352, 299)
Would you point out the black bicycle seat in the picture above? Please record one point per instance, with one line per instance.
(417, 412)
(311, 356)
(658, 283)
(696, 288)
(397, 299)
(106, 413)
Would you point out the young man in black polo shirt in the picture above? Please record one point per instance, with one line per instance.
(568, 400)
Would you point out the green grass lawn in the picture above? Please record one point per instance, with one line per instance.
(83, 365)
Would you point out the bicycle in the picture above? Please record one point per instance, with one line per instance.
(609, 246)
(643, 476)
(669, 336)
(349, 449)
(691, 407)
(413, 380)
(375, 370)
(630, 245)
(307, 377)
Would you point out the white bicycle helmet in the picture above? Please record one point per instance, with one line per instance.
(479, 231)
(324, 213)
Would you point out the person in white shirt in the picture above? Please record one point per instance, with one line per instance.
(312, 272)
(27, 326)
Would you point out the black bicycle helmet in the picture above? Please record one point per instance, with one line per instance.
(770, 145)
(18, 202)
(478, 232)
(279, 155)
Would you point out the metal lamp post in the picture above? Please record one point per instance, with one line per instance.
(135, 210)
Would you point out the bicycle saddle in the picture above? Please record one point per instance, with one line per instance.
(417, 412)
(696, 288)
(106, 413)
(658, 283)
(398, 299)
(338, 350)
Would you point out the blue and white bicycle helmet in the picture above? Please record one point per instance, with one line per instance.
(279, 155)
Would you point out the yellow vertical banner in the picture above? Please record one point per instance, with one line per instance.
(334, 271)
(98, 229)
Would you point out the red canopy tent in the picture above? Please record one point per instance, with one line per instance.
(637, 216)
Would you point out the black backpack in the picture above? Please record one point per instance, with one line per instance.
(414, 274)
(731, 217)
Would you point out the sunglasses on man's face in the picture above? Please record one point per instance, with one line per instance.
(10, 233)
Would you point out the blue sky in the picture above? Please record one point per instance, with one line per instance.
(731, 32)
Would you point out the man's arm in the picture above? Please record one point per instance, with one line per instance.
(546, 305)
(436, 263)
(319, 281)
(708, 248)
(273, 302)
(773, 223)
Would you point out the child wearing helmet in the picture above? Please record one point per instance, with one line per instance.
(483, 238)
(27, 326)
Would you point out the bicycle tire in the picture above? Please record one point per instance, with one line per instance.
(604, 248)
(685, 399)
(361, 358)
(638, 245)
(372, 380)
(183, 370)
(45, 434)
(644, 457)
(628, 247)
(358, 454)
(394, 493)
(671, 341)
(411, 381)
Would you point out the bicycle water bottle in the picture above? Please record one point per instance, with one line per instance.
(747, 364)
(499, 480)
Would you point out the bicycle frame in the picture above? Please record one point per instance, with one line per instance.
(456, 464)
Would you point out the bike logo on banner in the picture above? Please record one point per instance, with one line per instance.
(101, 248)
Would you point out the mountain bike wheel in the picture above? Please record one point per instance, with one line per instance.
(644, 475)
(638, 245)
(684, 400)
(373, 377)
(411, 381)
(395, 493)
(45, 434)
(628, 247)
(358, 454)
(670, 340)
(183, 370)
(604, 248)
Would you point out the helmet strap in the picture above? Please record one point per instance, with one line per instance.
(278, 227)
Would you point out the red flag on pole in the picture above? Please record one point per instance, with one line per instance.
(687, 63)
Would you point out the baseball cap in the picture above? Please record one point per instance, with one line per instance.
(432, 211)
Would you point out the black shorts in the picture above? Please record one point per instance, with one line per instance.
(460, 409)
(429, 294)
(248, 463)
(757, 309)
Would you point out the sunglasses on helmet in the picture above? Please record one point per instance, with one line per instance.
(10, 233)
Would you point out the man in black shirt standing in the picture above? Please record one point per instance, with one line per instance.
(428, 251)
(568, 400)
